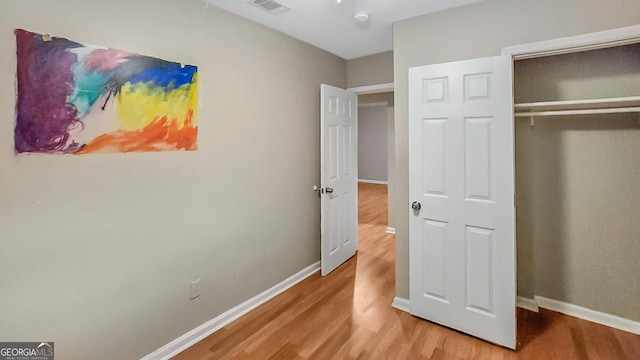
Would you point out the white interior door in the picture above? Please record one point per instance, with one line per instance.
(461, 172)
(339, 178)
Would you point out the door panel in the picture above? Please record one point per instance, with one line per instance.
(339, 176)
(435, 255)
(478, 159)
(462, 240)
(479, 278)
(434, 159)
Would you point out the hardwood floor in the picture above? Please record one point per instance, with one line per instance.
(348, 315)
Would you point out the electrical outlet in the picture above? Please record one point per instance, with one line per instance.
(195, 289)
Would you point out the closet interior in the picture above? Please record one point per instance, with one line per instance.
(577, 124)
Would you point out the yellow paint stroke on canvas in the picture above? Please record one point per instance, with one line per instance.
(139, 104)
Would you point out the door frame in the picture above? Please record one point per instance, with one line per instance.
(377, 89)
(373, 89)
(572, 44)
(364, 90)
(567, 45)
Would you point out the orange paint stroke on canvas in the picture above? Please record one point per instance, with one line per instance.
(161, 134)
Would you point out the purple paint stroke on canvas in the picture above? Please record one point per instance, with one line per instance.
(45, 73)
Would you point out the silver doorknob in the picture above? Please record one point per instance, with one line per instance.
(328, 190)
(416, 206)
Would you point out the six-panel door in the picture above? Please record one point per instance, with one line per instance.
(461, 170)
(339, 164)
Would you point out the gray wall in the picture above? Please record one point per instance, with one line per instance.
(372, 142)
(98, 250)
(480, 30)
(370, 70)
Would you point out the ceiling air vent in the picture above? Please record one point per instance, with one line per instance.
(270, 6)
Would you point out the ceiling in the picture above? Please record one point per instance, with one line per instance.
(330, 25)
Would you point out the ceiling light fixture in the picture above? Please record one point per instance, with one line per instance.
(361, 16)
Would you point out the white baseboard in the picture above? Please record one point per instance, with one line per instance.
(192, 337)
(391, 230)
(589, 315)
(401, 304)
(528, 304)
(373, 181)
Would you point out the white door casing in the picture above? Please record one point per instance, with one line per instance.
(461, 171)
(339, 176)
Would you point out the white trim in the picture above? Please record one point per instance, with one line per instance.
(591, 41)
(391, 230)
(578, 112)
(379, 182)
(372, 89)
(381, 103)
(401, 304)
(192, 337)
(589, 315)
(528, 304)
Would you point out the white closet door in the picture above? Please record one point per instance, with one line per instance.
(461, 183)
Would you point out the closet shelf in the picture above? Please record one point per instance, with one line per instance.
(579, 107)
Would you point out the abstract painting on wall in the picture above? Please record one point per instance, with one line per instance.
(80, 99)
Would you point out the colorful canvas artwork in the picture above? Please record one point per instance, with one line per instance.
(80, 99)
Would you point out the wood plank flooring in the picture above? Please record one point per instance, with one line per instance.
(348, 315)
